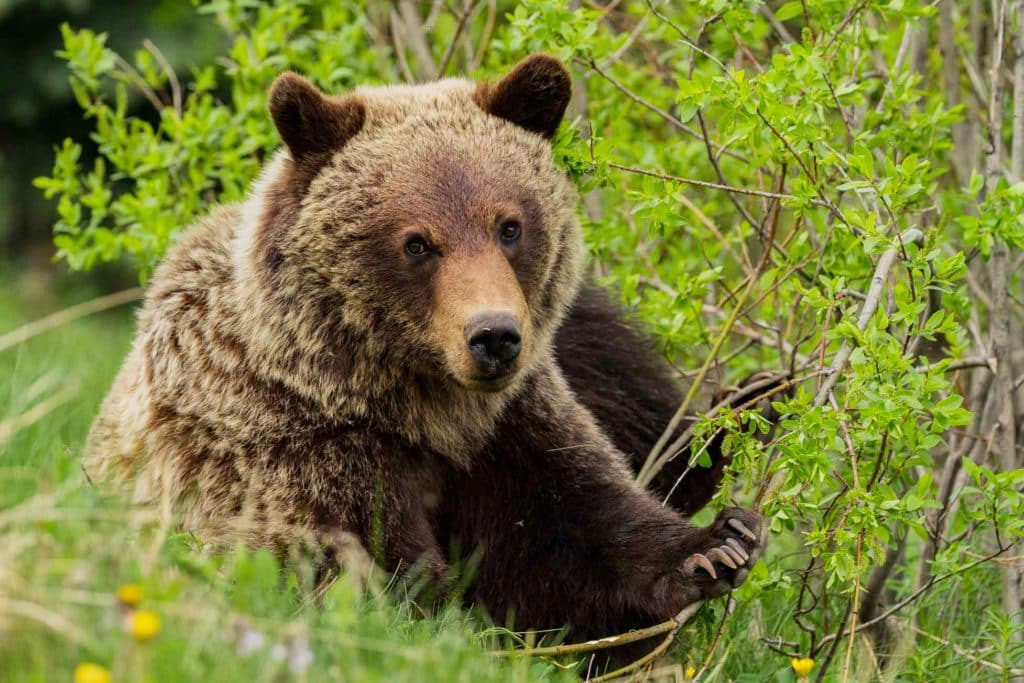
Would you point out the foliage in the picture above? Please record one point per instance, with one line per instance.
(747, 171)
(39, 108)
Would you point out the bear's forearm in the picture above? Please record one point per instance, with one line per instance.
(559, 504)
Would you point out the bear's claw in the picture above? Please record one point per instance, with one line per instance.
(738, 549)
(720, 556)
(733, 548)
(742, 529)
(699, 560)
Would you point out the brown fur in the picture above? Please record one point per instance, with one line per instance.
(298, 376)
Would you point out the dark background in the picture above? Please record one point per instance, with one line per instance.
(38, 110)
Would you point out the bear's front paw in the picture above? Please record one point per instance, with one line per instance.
(734, 544)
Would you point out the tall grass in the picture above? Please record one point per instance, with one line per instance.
(66, 548)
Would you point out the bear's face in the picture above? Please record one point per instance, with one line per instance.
(435, 217)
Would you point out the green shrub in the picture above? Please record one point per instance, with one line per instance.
(770, 186)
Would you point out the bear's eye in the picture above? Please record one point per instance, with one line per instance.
(417, 246)
(510, 231)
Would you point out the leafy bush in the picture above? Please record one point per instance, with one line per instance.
(818, 187)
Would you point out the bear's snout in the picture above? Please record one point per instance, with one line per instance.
(494, 342)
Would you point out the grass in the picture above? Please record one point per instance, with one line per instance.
(66, 549)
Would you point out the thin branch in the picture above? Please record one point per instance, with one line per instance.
(416, 37)
(485, 37)
(129, 73)
(1017, 138)
(172, 78)
(966, 654)
(449, 51)
(670, 627)
(709, 185)
(1000, 318)
(914, 596)
(679, 621)
(590, 645)
(867, 311)
(669, 118)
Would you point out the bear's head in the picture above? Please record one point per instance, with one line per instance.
(422, 228)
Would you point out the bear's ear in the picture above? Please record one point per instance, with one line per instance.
(533, 95)
(309, 122)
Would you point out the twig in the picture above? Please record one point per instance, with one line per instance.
(968, 363)
(867, 311)
(416, 37)
(1000, 328)
(686, 39)
(729, 609)
(669, 118)
(136, 78)
(777, 25)
(590, 645)
(654, 459)
(679, 621)
(485, 37)
(964, 653)
(172, 77)
(914, 596)
(742, 210)
(449, 51)
(709, 185)
(683, 441)
(854, 611)
(396, 37)
(844, 23)
(670, 627)
(1017, 138)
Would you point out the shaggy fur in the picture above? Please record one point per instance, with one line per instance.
(301, 375)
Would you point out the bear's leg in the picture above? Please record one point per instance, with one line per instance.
(619, 375)
(567, 535)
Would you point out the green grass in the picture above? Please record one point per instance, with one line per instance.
(65, 548)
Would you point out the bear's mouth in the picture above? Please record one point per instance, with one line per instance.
(491, 382)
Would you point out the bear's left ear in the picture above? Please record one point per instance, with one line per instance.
(533, 95)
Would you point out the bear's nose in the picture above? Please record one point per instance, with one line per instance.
(494, 341)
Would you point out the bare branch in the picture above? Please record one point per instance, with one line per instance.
(709, 185)
(874, 295)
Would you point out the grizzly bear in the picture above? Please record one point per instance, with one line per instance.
(389, 339)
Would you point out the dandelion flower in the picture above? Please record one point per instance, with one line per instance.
(87, 672)
(130, 594)
(144, 625)
(691, 671)
(802, 666)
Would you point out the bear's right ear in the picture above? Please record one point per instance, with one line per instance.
(309, 122)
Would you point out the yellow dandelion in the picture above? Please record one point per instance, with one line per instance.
(691, 671)
(802, 666)
(87, 672)
(130, 594)
(144, 625)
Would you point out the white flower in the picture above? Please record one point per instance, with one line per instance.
(250, 640)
